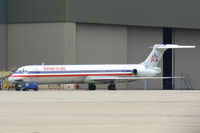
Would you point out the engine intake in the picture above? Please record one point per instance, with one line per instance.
(135, 71)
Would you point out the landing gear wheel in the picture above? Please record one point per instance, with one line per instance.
(92, 87)
(112, 87)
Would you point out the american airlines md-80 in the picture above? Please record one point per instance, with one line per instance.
(94, 74)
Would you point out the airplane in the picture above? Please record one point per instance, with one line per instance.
(95, 74)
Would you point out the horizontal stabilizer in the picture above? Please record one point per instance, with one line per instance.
(172, 46)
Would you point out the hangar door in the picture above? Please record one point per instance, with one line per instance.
(187, 60)
(101, 44)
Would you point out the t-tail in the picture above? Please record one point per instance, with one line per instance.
(158, 51)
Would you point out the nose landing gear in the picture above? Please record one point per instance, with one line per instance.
(17, 87)
(112, 87)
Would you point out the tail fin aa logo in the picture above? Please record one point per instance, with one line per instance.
(154, 58)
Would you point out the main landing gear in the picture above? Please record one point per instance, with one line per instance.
(92, 87)
(112, 87)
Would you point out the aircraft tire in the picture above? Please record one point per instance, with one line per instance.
(92, 87)
(112, 87)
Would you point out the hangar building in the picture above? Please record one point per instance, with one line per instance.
(102, 32)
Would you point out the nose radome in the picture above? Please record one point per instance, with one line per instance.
(11, 80)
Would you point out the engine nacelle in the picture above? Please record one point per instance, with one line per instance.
(146, 72)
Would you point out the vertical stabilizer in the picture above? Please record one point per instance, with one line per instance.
(157, 52)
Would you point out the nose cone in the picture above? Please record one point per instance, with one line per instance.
(11, 80)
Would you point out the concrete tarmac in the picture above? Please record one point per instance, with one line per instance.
(100, 112)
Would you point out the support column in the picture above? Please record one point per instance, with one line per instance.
(167, 59)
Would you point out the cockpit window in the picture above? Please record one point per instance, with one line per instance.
(19, 70)
(22, 70)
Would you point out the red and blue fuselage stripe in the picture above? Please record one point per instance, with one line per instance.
(73, 73)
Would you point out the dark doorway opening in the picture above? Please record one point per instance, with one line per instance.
(167, 59)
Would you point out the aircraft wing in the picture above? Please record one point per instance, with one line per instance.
(108, 79)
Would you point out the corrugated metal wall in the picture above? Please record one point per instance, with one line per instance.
(20, 11)
(3, 11)
(3, 28)
(158, 13)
